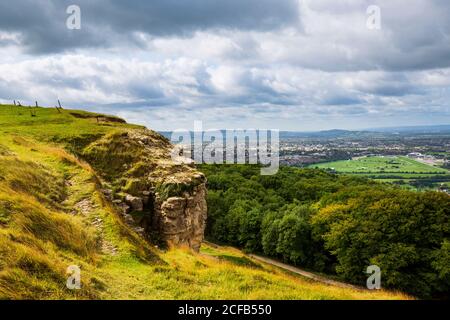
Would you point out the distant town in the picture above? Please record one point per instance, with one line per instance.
(423, 155)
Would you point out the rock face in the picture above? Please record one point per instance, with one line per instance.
(178, 220)
(136, 203)
(154, 194)
(182, 220)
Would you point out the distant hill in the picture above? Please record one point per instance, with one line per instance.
(380, 132)
(321, 134)
(371, 132)
(414, 129)
(298, 134)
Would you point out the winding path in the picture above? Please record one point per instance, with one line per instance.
(296, 270)
(304, 273)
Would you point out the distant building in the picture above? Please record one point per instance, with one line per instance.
(415, 155)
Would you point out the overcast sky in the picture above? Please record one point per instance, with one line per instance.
(285, 64)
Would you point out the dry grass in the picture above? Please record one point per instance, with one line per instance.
(218, 273)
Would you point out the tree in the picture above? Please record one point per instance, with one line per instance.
(402, 232)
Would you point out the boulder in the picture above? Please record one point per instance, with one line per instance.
(135, 203)
(123, 208)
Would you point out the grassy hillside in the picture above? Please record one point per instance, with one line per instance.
(53, 214)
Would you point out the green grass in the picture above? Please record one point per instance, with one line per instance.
(207, 275)
(390, 169)
(43, 229)
(397, 165)
(74, 129)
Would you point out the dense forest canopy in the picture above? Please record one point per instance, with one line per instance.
(335, 224)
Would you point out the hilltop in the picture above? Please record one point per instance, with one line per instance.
(89, 190)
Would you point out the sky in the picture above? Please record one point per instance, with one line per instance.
(299, 65)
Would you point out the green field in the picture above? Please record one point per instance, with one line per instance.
(400, 170)
(397, 165)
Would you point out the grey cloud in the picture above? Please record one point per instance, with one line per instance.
(389, 85)
(9, 92)
(145, 91)
(340, 100)
(414, 35)
(42, 26)
(140, 105)
(397, 90)
(109, 22)
(169, 17)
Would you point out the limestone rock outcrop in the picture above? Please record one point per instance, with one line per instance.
(154, 194)
(182, 219)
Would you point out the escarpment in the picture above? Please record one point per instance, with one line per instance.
(162, 200)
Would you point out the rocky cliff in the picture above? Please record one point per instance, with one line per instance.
(162, 200)
(182, 219)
